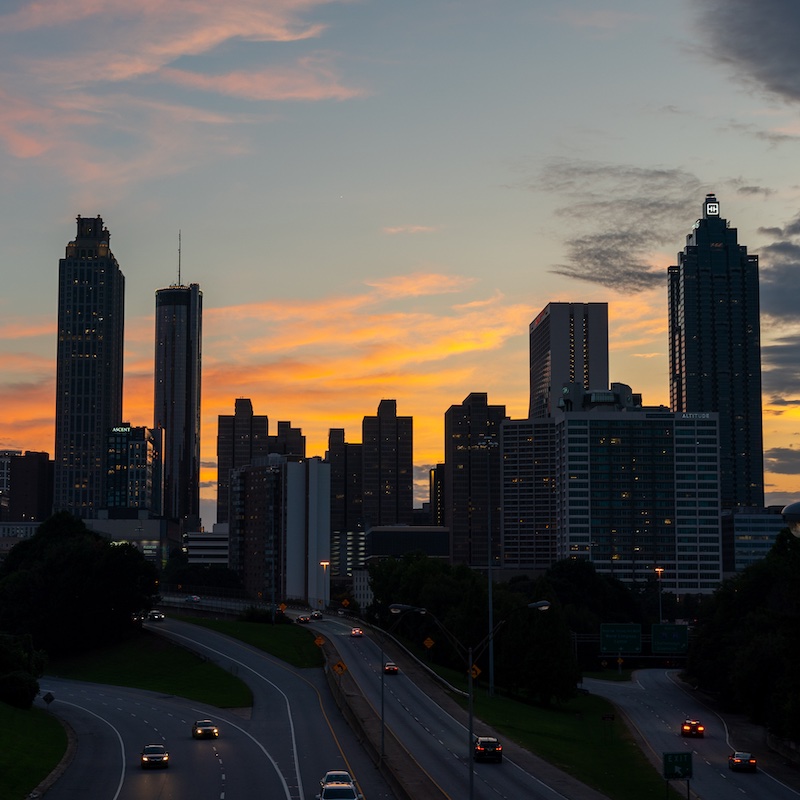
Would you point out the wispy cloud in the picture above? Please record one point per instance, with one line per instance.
(103, 100)
(409, 229)
(619, 217)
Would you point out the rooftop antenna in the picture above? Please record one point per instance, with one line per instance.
(179, 258)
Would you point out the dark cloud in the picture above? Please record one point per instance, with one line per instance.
(757, 40)
(624, 214)
(208, 464)
(779, 269)
(780, 374)
(782, 460)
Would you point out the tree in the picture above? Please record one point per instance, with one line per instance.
(71, 589)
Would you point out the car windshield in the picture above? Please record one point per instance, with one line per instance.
(153, 750)
(337, 777)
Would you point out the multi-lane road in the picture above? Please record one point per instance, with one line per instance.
(656, 706)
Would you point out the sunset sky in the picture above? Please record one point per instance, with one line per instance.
(378, 197)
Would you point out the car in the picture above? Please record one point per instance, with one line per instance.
(693, 727)
(335, 776)
(487, 748)
(339, 791)
(390, 668)
(192, 598)
(316, 615)
(742, 762)
(356, 632)
(154, 755)
(205, 729)
(155, 615)
(304, 619)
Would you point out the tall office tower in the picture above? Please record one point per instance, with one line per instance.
(5, 482)
(568, 344)
(347, 533)
(388, 477)
(638, 488)
(472, 479)
(31, 482)
(280, 529)
(288, 441)
(91, 310)
(715, 348)
(241, 437)
(179, 329)
(135, 471)
(529, 493)
(436, 489)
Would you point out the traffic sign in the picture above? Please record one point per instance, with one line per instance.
(620, 638)
(670, 638)
(429, 643)
(677, 766)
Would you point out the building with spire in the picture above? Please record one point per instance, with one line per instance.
(715, 348)
(179, 328)
(91, 309)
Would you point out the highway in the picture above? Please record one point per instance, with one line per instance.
(657, 706)
(279, 749)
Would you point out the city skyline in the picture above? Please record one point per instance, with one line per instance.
(377, 201)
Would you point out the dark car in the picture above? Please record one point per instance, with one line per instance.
(155, 615)
(487, 748)
(742, 762)
(304, 619)
(390, 668)
(205, 729)
(356, 632)
(693, 727)
(316, 615)
(154, 755)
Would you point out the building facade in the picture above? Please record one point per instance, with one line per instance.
(472, 479)
(715, 348)
(135, 469)
(528, 494)
(568, 344)
(91, 308)
(179, 329)
(241, 437)
(388, 468)
(347, 531)
(638, 489)
(31, 484)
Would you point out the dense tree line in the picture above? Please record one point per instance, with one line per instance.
(67, 590)
(746, 646)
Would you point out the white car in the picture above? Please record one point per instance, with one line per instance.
(339, 791)
(336, 776)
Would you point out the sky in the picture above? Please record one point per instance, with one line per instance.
(377, 198)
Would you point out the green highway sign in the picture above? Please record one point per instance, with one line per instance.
(677, 766)
(670, 639)
(620, 638)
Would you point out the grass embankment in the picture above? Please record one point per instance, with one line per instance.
(574, 737)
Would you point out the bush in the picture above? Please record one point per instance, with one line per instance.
(18, 689)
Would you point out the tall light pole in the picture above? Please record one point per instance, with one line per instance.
(659, 572)
(324, 564)
(488, 445)
(470, 654)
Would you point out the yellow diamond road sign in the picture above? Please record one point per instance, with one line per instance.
(475, 670)
(429, 643)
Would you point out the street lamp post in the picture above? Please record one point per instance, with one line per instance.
(324, 564)
(470, 654)
(659, 572)
(488, 445)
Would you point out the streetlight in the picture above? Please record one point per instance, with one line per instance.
(659, 572)
(489, 445)
(470, 654)
(324, 564)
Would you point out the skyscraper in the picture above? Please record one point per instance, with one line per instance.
(568, 344)
(241, 437)
(179, 328)
(91, 308)
(472, 480)
(715, 348)
(388, 480)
